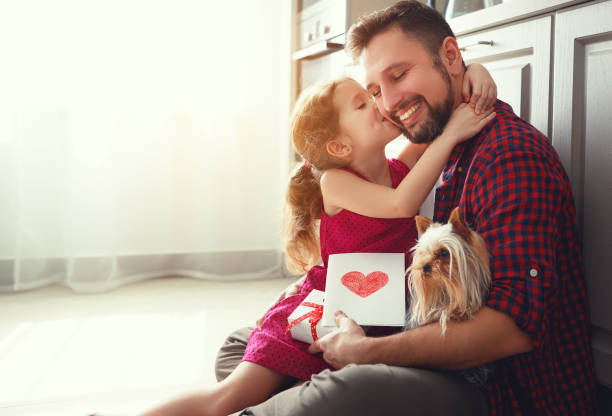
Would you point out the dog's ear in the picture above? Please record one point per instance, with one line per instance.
(422, 223)
(459, 226)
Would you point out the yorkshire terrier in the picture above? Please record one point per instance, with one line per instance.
(449, 276)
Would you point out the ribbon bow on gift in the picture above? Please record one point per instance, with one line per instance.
(314, 315)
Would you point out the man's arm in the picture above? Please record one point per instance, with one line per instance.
(490, 336)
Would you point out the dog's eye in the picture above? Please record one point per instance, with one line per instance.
(427, 268)
(443, 254)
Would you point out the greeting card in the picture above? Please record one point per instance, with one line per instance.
(369, 287)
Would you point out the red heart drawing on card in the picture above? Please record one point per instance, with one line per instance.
(362, 285)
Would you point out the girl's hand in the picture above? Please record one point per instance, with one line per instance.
(464, 123)
(479, 89)
(291, 290)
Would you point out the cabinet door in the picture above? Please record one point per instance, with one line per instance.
(518, 57)
(582, 128)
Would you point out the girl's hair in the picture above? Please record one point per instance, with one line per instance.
(314, 122)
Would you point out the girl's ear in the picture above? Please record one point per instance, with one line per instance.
(338, 148)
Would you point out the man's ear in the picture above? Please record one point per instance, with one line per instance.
(451, 56)
(338, 148)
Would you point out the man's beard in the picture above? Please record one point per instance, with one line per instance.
(431, 128)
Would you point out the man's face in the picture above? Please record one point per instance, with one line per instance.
(409, 87)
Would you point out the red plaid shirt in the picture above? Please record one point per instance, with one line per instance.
(511, 188)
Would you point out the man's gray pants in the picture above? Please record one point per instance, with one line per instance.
(355, 390)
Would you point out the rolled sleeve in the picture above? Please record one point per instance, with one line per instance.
(523, 292)
(517, 200)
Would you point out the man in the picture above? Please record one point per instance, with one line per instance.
(511, 188)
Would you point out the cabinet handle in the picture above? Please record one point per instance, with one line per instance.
(480, 42)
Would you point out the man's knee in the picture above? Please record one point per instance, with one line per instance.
(355, 389)
(352, 379)
(231, 352)
(382, 389)
(377, 389)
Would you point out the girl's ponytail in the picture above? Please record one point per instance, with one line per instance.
(314, 122)
(301, 220)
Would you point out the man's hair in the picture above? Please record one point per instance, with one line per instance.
(415, 19)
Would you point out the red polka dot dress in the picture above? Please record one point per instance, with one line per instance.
(345, 232)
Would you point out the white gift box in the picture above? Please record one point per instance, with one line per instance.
(369, 287)
(302, 331)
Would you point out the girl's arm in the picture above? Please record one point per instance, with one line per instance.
(412, 152)
(479, 90)
(343, 190)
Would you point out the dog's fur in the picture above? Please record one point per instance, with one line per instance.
(449, 276)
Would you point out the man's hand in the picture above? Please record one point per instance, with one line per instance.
(343, 346)
(292, 289)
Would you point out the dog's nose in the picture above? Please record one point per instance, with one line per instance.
(427, 268)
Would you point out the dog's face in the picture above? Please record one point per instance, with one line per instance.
(449, 276)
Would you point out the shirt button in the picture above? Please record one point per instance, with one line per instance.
(533, 273)
(460, 169)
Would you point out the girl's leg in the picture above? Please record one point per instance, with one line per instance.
(249, 384)
(231, 352)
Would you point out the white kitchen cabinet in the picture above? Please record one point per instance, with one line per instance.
(582, 134)
(518, 57)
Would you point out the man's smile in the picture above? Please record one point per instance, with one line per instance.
(408, 114)
(410, 111)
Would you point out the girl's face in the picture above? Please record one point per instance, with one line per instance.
(360, 121)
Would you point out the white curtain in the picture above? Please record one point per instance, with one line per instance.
(141, 138)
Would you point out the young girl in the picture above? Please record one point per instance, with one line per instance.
(363, 202)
